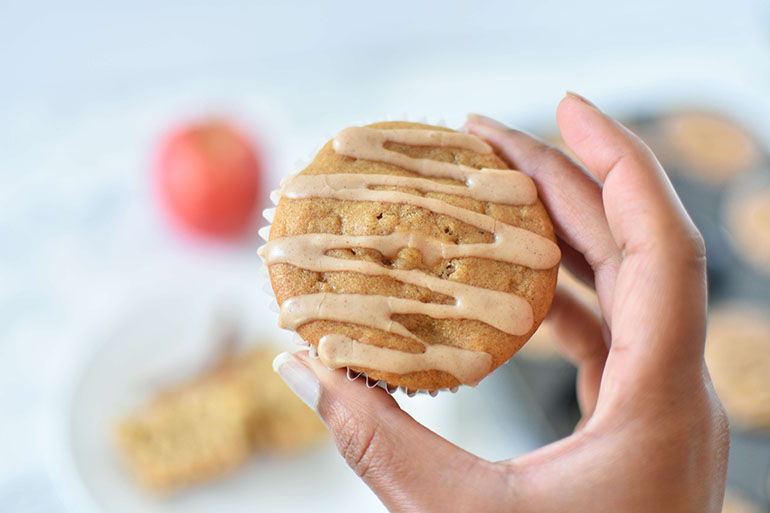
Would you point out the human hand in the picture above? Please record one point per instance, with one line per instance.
(653, 434)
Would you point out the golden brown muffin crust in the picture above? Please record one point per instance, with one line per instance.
(325, 215)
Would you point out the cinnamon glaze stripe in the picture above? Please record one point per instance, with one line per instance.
(369, 144)
(305, 248)
(495, 185)
(338, 351)
(505, 311)
(524, 247)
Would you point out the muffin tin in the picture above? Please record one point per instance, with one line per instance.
(732, 278)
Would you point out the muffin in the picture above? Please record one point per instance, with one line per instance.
(210, 425)
(738, 358)
(736, 503)
(748, 223)
(412, 254)
(705, 146)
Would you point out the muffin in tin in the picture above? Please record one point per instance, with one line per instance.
(747, 221)
(705, 146)
(737, 503)
(738, 358)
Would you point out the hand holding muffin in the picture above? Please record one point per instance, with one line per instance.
(653, 436)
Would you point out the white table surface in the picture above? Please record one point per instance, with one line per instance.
(86, 88)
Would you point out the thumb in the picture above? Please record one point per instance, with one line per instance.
(409, 467)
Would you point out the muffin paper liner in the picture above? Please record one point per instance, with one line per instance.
(264, 233)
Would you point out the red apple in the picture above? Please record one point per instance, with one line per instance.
(208, 178)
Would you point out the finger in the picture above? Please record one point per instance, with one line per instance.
(659, 314)
(409, 467)
(578, 333)
(572, 197)
(576, 263)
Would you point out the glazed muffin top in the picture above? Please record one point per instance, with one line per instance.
(412, 254)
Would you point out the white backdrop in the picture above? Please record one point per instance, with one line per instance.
(87, 88)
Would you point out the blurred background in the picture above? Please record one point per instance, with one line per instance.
(122, 279)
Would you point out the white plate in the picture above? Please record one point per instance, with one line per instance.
(161, 340)
(167, 337)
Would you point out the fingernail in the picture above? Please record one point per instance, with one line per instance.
(472, 116)
(580, 98)
(484, 120)
(299, 378)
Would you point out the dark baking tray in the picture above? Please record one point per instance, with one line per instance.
(552, 382)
